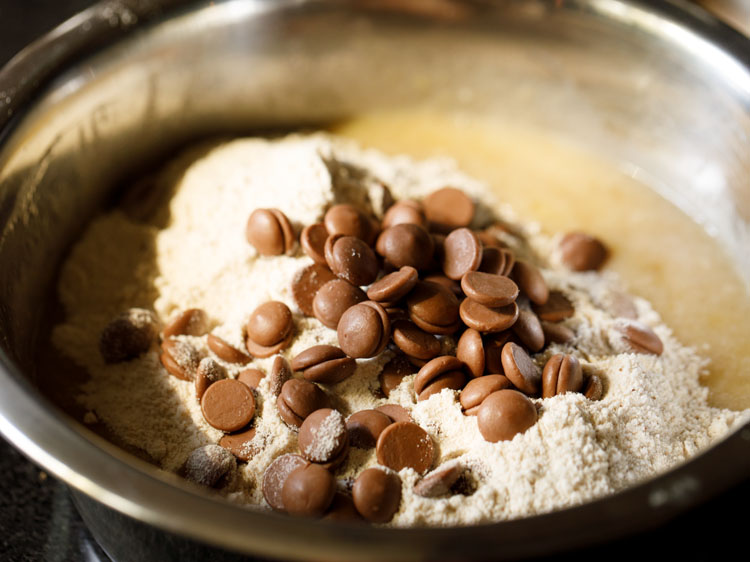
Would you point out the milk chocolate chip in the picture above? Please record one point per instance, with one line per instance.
(179, 358)
(462, 253)
(439, 481)
(393, 286)
(403, 445)
(270, 232)
(190, 322)
(485, 319)
(225, 351)
(414, 341)
(240, 444)
(520, 369)
(333, 299)
(582, 252)
(405, 211)
(640, 338)
(298, 399)
(561, 374)
(276, 475)
(393, 373)
(313, 239)
(489, 289)
(269, 329)
(406, 244)
(434, 308)
(280, 373)
(498, 261)
(556, 309)
(209, 465)
(477, 390)
(324, 364)
(347, 220)
(228, 405)
(128, 336)
(207, 373)
(529, 279)
(448, 208)
(504, 414)
(307, 282)
(529, 330)
(365, 427)
(377, 495)
(351, 259)
(323, 435)
(252, 378)
(364, 330)
(470, 350)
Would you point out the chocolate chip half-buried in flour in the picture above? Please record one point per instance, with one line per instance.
(394, 286)
(308, 491)
(323, 435)
(313, 239)
(306, 284)
(269, 329)
(280, 373)
(640, 338)
(270, 232)
(462, 253)
(364, 428)
(333, 299)
(530, 281)
(377, 494)
(485, 319)
(179, 358)
(504, 414)
(406, 244)
(394, 372)
(228, 405)
(474, 393)
(439, 481)
(582, 252)
(208, 372)
(556, 309)
(241, 444)
(364, 330)
(348, 220)
(562, 373)
(209, 465)
(275, 476)
(448, 208)
(593, 389)
(434, 308)
(324, 364)
(351, 259)
(521, 369)
(190, 322)
(405, 445)
(298, 399)
(128, 336)
(489, 289)
(396, 412)
(226, 351)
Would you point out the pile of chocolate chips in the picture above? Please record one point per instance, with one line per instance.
(405, 283)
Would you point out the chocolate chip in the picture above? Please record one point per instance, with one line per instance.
(504, 414)
(499, 261)
(228, 405)
(593, 388)
(190, 322)
(323, 435)
(582, 252)
(324, 364)
(298, 399)
(270, 232)
(622, 306)
(347, 220)
(485, 319)
(556, 309)
(395, 412)
(450, 284)
(364, 330)
(207, 373)
(180, 358)
(640, 338)
(406, 244)
(531, 282)
(434, 308)
(439, 481)
(405, 211)
(128, 336)
(448, 208)
(393, 373)
(365, 427)
(562, 373)
(209, 465)
(405, 445)
(393, 286)
(276, 475)
(453, 380)
(520, 369)
(269, 329)
(240, 444)
(493, 350)
(342, 509)
(557, 333)
(413, 341)
(489, 289)
(307, 282)
(333, 299)
(434, 368)
(280, 373)
(252, 378)
(477, 390)
(225, 351)
(351, 259)
(529, 330)
(308, 491)
(470, 350)
(377, 495)
(462, 253)
(313, 240)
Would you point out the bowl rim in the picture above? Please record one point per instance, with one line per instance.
(69, 451)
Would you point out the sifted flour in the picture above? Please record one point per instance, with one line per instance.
(189, 250)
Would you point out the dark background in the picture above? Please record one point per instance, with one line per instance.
(39, 523)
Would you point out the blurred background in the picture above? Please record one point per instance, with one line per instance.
(39, 523)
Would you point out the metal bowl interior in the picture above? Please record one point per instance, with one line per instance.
(660, 86)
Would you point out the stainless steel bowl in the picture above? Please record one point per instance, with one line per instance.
(660, 85)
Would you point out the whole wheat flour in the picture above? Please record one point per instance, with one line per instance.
(186, 248)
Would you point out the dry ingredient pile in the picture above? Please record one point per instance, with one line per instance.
(326, 331)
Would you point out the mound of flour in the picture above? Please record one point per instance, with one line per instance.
(183, 246)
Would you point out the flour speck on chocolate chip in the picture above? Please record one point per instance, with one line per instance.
(458, 291)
